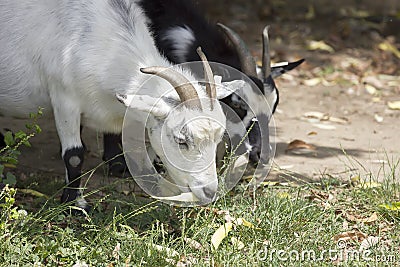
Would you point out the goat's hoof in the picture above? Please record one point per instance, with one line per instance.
(118, 168)
(77, 203)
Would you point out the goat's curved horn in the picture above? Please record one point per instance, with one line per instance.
(266, 58)
(186, 91)
(210, 82)
(248, 65)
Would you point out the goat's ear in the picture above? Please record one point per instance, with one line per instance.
(284, 67)
(225, 89)
(151, 105)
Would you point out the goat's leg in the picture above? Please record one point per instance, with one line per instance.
(2, 142)
(113, 154)
(67, 117)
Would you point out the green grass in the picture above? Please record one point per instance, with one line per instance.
(127, 231)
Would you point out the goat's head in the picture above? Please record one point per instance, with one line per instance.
(249, 103)
(185, 126)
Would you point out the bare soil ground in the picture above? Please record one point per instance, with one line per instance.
(347, 86)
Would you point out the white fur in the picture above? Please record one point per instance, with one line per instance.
(181, 38)
(74, 56)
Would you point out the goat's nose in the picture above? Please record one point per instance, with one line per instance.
(210, 193)
(206, 193)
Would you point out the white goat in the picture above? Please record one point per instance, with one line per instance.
(75, 56)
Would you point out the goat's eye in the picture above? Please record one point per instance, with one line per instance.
(181, 142)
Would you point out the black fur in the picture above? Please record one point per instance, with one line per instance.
(165, 14)
(254, 140)
(71, 192)
(2, 143)
(113, 154)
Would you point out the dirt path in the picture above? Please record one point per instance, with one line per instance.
(356, 143)
(348, 87)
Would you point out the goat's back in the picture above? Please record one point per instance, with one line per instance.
(85, 47)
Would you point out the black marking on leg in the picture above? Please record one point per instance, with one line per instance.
(254, 141)
(2, 142)
(73, 160)
(113, 155)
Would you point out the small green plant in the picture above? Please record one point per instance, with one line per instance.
(8, 212)
(13, 141)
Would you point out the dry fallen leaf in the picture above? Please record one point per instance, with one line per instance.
(371, 219)
(128, 261)
(80, 264)
(345, 225)
(378, 161)
(116, 250)
(355, 180)
(312, 133)
(193, 243)
(370, 89)
(395, 206)
(323, 199)
(9, 165)
(300, 147)
(33, 193)
(339, 120)
(312, 82)
(315, 116)
(270, 183)
(369, 242)
(283, 195)
(373, 80)
(319, 195)
(353, 235)
(394, 105)
(310, 13)
(378, 118)
(286, 167)
(184, 197)
(320, 45)
(359, 219)
(220, 234)
(170, 252)
(387, 77)
(244, 222)
(237, 244)
(386, 46)
(372, 184)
